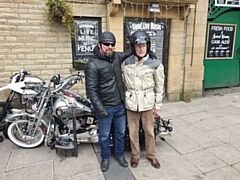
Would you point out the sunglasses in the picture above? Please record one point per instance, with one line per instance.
(108, 44)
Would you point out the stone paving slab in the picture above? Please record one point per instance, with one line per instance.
(182, 143)
(116, 171)
(171, 168)
(34, 171)
(205, 161)
(226, 153)
(226, 173)
(84, 164)
(21, 157)
(205, 139)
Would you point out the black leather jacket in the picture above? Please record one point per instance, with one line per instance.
(103, 81)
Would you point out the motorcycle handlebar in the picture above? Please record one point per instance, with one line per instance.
(24, 72)
(67, 82)
(19, 76)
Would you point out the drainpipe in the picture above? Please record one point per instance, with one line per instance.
(108, 13)
(194, 28)
(184, 48)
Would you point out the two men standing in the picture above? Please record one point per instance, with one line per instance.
(143, 78)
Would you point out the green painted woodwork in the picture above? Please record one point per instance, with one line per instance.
(224, 72)
(215, 11)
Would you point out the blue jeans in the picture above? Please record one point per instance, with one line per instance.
(117, 118)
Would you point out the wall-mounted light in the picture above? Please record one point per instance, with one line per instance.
(153, 7)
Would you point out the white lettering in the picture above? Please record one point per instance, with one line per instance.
(146, 25)
(156, 26)
(215, 42)
(85, 48)
(217, 28)
(86, 31)
(225, 42)
(137, 26)
(228, 28)
(216, 36)
(86, 38)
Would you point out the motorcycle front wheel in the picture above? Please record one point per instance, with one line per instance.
(20, 133)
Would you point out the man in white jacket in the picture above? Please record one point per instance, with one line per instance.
(144, 83)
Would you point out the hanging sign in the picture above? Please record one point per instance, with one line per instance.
(227, 3)
(87, 37)
(220, 41)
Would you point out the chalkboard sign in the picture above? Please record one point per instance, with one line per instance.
(88, 31)
(220, 41)
(87, 37)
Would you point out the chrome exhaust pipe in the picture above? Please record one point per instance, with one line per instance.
(163, 134)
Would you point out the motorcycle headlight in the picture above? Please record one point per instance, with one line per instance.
(34, 107)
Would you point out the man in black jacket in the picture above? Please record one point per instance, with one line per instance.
(105, 89)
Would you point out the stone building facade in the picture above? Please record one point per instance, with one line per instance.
(29, 40)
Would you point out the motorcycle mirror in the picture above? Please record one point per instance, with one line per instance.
(55, 79)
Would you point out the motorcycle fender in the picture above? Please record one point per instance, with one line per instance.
(45, 121)
(12, 117)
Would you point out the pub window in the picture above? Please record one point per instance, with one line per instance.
(87, 36)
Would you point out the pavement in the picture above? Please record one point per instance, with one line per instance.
(205, 145)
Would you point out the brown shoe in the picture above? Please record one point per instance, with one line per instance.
(134, 162)
(154, 162)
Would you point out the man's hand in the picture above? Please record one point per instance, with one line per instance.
(156, 111)
(104, 114)
(152, 55)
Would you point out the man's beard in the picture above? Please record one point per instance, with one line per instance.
(108, 54)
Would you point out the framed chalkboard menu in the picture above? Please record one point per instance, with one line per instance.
(87, 36)
(220, 41)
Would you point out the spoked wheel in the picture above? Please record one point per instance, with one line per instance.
(2, 115)
(6, 129)
(17, 118)
(2, 105)
(21, 134)
(1, 139)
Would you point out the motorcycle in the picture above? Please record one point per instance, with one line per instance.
(59, 115)
(24, 91)
(63, 119)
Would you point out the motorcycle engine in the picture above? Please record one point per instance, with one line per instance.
(70, 125)
(80, 123)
